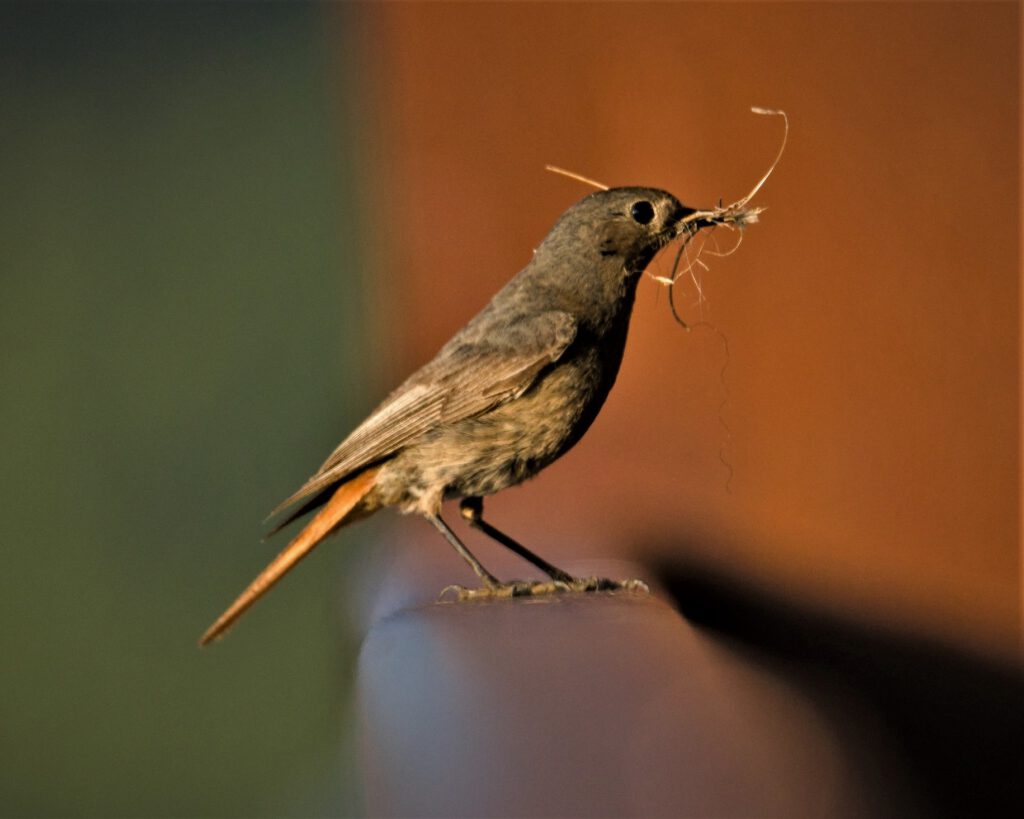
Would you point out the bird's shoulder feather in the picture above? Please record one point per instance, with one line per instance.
(477, 370)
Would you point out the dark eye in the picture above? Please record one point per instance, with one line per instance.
(642, 211)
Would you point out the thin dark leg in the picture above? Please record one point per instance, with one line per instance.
(472, 510)
(489, 579)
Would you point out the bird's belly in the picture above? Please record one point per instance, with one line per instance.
(510, 444)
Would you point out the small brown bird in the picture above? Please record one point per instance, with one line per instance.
(512, 391)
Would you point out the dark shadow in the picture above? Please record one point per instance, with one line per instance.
(954, 721)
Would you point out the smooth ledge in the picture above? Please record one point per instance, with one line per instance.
(592, 704)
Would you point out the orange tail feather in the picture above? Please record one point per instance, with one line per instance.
(342, 502)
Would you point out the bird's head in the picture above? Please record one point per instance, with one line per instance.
(619, 228)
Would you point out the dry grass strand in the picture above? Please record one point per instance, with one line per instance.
(578, 177)
(737, 213)
(734, 216)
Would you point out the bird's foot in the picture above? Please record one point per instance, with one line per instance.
(590, 584)
(539, 588)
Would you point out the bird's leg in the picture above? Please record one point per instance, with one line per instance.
(490, 581)
(472, 510)
(492, 586)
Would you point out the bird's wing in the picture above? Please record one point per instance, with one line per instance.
(472, 374)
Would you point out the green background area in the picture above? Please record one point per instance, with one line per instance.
(180, 326)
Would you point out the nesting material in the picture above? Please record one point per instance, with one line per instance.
(577, 176)
(735, 216)
(739, 213)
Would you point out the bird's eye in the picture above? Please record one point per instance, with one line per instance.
(642, 211)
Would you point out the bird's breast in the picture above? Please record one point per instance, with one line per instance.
(511, 443)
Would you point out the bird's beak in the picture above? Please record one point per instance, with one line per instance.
(682, 220)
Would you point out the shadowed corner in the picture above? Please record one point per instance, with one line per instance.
(952, 721)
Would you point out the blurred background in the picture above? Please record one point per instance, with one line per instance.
(226, 230)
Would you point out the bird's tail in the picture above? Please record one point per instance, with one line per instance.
(333, 513)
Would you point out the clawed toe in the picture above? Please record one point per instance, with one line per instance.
(540, 588)
(635, 585)
(590, 584)
(452, 593)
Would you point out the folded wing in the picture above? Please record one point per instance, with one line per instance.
(471, 375)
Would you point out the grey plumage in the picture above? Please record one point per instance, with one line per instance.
(523, 380)
(512, 391)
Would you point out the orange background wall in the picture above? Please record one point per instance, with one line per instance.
(871, 392)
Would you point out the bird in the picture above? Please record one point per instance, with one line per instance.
(506, 396)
